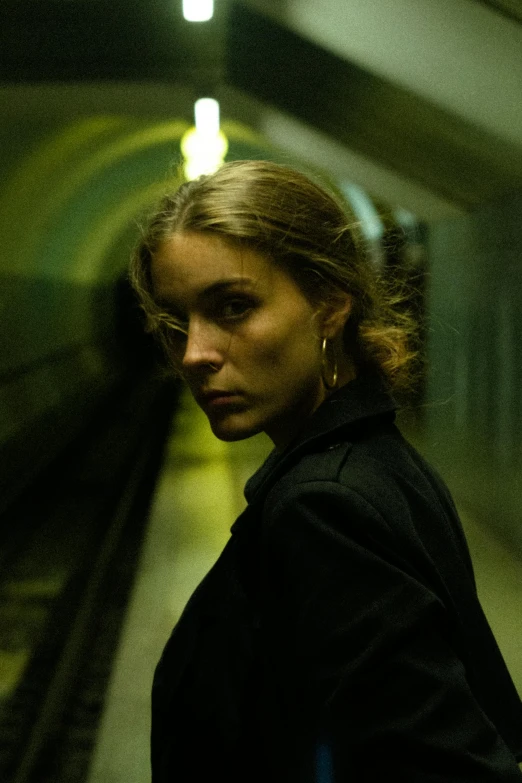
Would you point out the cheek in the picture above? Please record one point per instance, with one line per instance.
(290, 345)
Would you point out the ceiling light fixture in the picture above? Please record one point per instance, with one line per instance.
(204, 146)
(198, 10)
(206, 116)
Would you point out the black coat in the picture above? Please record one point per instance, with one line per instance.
(338, 637)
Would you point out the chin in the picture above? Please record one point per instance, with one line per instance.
(230, 433)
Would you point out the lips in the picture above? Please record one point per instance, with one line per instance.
(217, 397)
(210, 395)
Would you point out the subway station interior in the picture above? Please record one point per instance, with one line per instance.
(115, 498)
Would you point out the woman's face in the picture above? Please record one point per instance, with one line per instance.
(251, 353)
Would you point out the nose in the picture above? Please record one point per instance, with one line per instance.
(202, 347)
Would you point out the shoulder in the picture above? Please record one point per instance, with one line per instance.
(377, 490)
(339, 492)
(377, 463)
(370, 467)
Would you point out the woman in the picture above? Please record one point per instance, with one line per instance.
(339, 636)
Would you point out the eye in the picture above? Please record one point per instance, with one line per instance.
(235, 308)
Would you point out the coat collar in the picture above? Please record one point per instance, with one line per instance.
(339, 415)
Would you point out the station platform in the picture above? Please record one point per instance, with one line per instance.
(199, 495)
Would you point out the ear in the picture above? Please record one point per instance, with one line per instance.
(334, 315)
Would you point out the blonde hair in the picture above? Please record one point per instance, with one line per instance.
(282, 213)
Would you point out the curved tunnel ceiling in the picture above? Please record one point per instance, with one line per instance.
(78, 189)
(271, 73)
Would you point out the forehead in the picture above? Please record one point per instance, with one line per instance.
(186, 264)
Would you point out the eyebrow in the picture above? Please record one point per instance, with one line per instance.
(215, 288)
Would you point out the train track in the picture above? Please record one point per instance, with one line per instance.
(70, 554)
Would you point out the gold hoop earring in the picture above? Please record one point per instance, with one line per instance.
(329, 384)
